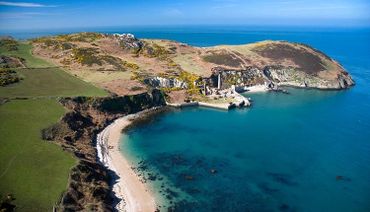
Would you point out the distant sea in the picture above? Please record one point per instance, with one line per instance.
(307, 151)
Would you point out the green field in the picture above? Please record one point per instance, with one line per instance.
(49, 82)
(24, 51)
(42, 79)
(35, 171)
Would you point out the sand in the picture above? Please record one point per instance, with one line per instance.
(134, 194)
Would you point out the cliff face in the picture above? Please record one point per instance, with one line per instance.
(290, 77)
(278, 76)
(89, 186)
(162, 82)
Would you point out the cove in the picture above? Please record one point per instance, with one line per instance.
(307, 151)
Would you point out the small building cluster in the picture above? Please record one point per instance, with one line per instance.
(237, 80)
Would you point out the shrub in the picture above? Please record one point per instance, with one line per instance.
(114, 61)
(9, 44)
(66, 46)
(82, 37)
(55, 43)
(11, 61)
(188, 78)
(8, 77)
(139, 75)
(6, 203)
(86, 56)
(155, 51)
(90, 56)
(136, 88)
(133, 66)
(172, 64)
(77, 37)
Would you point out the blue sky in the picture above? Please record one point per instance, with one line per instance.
(42, 14)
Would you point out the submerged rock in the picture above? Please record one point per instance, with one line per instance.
(342, 178)
(189, 177)
(284, 179)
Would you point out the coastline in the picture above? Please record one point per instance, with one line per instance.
(133, 194)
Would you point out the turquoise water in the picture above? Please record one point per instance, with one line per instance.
(284, 153)
(307, 151)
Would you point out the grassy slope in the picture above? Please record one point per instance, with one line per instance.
(49, 82)
(33, 170)
(46, 80)
(24, 51)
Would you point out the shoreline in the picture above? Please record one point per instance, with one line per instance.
(133, 194)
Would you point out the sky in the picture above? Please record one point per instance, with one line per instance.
(43, 14)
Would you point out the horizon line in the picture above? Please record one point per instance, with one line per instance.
(188, 25)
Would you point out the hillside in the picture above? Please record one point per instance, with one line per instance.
(33, 171)
(123, 64)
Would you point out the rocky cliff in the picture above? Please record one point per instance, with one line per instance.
(163, 82)
(275, 76)
(288, 76)
(89, 184)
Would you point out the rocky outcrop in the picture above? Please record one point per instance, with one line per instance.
(277, 76)
(89, 185)
(129, 41)
(162, 82)
(288, 76)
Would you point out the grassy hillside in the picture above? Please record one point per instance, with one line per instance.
(24, 51)
(33, 170)
(43, 82)
(40, 78)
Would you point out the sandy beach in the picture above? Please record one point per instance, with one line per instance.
(134, 194)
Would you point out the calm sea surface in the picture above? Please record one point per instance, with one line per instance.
(307, 151)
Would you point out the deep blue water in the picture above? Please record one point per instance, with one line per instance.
(307, 151)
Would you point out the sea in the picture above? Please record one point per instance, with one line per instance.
(304, 151)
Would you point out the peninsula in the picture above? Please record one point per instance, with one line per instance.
(125, 65)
